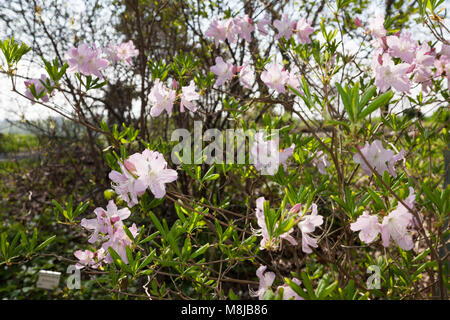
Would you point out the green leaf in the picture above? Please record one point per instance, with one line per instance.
(382, 100)
(45, 243)
(296, 288)
(200, 251)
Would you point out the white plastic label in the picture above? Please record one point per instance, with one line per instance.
(48, 279)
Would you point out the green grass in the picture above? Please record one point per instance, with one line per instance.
(17, 142)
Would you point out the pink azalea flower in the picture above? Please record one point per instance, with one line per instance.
(86, 258)
(275, 77)
(266, 155)
(307, 225)
(443, 67)
(321, 162)
(445, 50)
(247, 76)
(188, 94)
(376, 26)
(122, 52)
(294, 79)
(223, 70)
(285, 27)
(368, 226)
(261, 220)
(126, 184)
(389, 75)
(266, 241)
(261, 24)
(38, 87)
(217, 30)
(86, 60)
(119, 241)
(402, 47)
(423, 62)
(151, 168)
(107, 220)
(288, 292)
(161, 98)
(395, 226)
(303, 30)
(379, 158)
(244, 27)
(266, 280)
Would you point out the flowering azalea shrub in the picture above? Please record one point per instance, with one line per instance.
(335, 193)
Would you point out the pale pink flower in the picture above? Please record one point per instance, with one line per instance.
(285, 27)
(122, 52)
(275, 77)
(389, 75)
(223, 70)
(303, 30)
(445, 50)
(266, 155)
(376, 26)
(266, 241)
(86, 60)
(423, 62)
(106, 221)
(247, 76)
(294, 79)
(217, 30)
(244, 26)
(261, 220)
(126, 184)
(402, 47)
(288, 292)
(395, 226)
(368, 226)
(266, 280)
(86, 258)
(151, 168)
(379, 158)
(443, 67)
(38, 87)
(161, 98)
(119, 241)
(321, 162)
(188, 94)
(261, 24)
(307, 225)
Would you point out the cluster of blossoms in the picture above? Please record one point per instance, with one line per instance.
(266, 279)
(267, 156)
(242, 26)
(415, 61)
(396, 225)
(88, 61)
(121, 52)
(108, 227)
(139, 172)
(162, 97)
(274, 75)
(39, 89)
(380, 159)
(226, 70)
(306, 223)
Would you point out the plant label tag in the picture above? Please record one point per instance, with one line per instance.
(48, 279)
